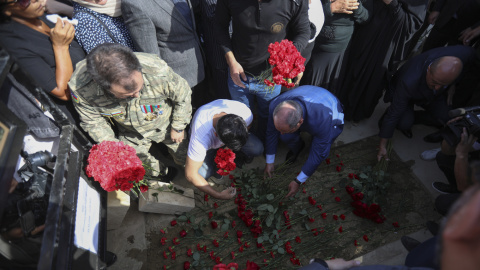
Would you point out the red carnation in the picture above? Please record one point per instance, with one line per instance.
(338, 168)
(143, 188)
(233, 255)
(175, 241)
(240, 249)
(395, 224)
(215, 205)
(342, 216)
(327, 161)
(332, 190)
(311, 219)
(340, 229)
(355, 243)
(186, 265)
(319, 207)
(324, 215)
(311, 200)
(206, 197)
(239, 234)
(165, 255)
(183, 233)
(189, 252)
(214, 225)
(335, 217)
(349, 189)
(234, 224)
(215, 243)
(337, 199)
(162, 231)
(298, 240)
(173, 222)
(174, 255)
(210, 215)
(365, 237)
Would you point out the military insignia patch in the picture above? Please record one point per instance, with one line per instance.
(276, 27)
(74, 97)
(151, 111)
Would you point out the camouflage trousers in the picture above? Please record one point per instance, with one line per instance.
(154, 167)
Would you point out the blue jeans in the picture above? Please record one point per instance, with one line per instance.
(247, 96)
(252, 148)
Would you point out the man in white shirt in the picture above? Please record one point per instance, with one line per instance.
(218, 123)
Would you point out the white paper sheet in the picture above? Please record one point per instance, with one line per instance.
(87, 217)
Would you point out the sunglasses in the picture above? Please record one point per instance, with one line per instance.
(22, 3)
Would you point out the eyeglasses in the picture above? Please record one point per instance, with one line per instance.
(22, 3)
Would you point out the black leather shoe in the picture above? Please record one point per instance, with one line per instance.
(407, 132)
(444, 188)
(110, 258)
(171, 173)
(433, 137)
(409, 243)
(433, 227)
(292, 157)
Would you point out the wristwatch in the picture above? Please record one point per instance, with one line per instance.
(298, 182)
(178, 130)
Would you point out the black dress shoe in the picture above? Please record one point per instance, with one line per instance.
(292, 157)
(435, 137)
(444, 188)
(110, 258)
(409, 243)
(407, 132)
(167, 178)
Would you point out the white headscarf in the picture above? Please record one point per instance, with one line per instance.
(111, 8)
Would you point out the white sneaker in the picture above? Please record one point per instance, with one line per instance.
(429, 155)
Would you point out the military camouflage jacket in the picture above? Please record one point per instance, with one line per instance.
(165, 99)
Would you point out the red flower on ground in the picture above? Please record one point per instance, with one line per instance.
(298, 239)
(214, 224)
(355, 243)
(240, 249)
(225, 235)
(165, 255)
(163, 241)
(215, 243)
(234, 224)
(183, 233)
(215, 205)
(324, 215)
(349, 189)
(252, 266)
(337, 199)
(206, 197)
(162, 231)
(173, 223)
(335, 217)
(174, 255)
(233, 255)
(239, 234)
(395, 224)
(311, 220)
(365, 237)
(304, 191)
(189, 252)
(332, 190)
(210, 215)
(338, 168)
(340, 229)
(218, 260)
(342, 216)
(186, 265)
(327, 161)
(319, 207)
(311, 200)
(175, 241)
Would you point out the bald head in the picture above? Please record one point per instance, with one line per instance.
(443, 71)
(288, 116)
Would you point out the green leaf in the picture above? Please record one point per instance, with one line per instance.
(281, 250)
(275, 234)
(356, 183)
(196, 256)
(170, 187)
(227, 221)
(280, 242)
(363, 176)
(182, 218)
(307, 227)
(260, 240)
(262, 207)
(198, 233)
(271, 241)
(192, 219)
(304, 212)
(275, 247)
(270, 208)
(270, 197)
(370, 193)
(224, 227)
(269, 220)
(265, 237)
(195, 263)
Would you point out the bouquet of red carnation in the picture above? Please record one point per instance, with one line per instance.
(287, 63)
(225, 161)
(116, 167)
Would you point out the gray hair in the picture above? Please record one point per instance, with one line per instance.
(112, 63)
(291, 117)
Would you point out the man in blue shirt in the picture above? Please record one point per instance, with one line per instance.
(307, 108)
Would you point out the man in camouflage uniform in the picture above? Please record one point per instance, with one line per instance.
(140, 95)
